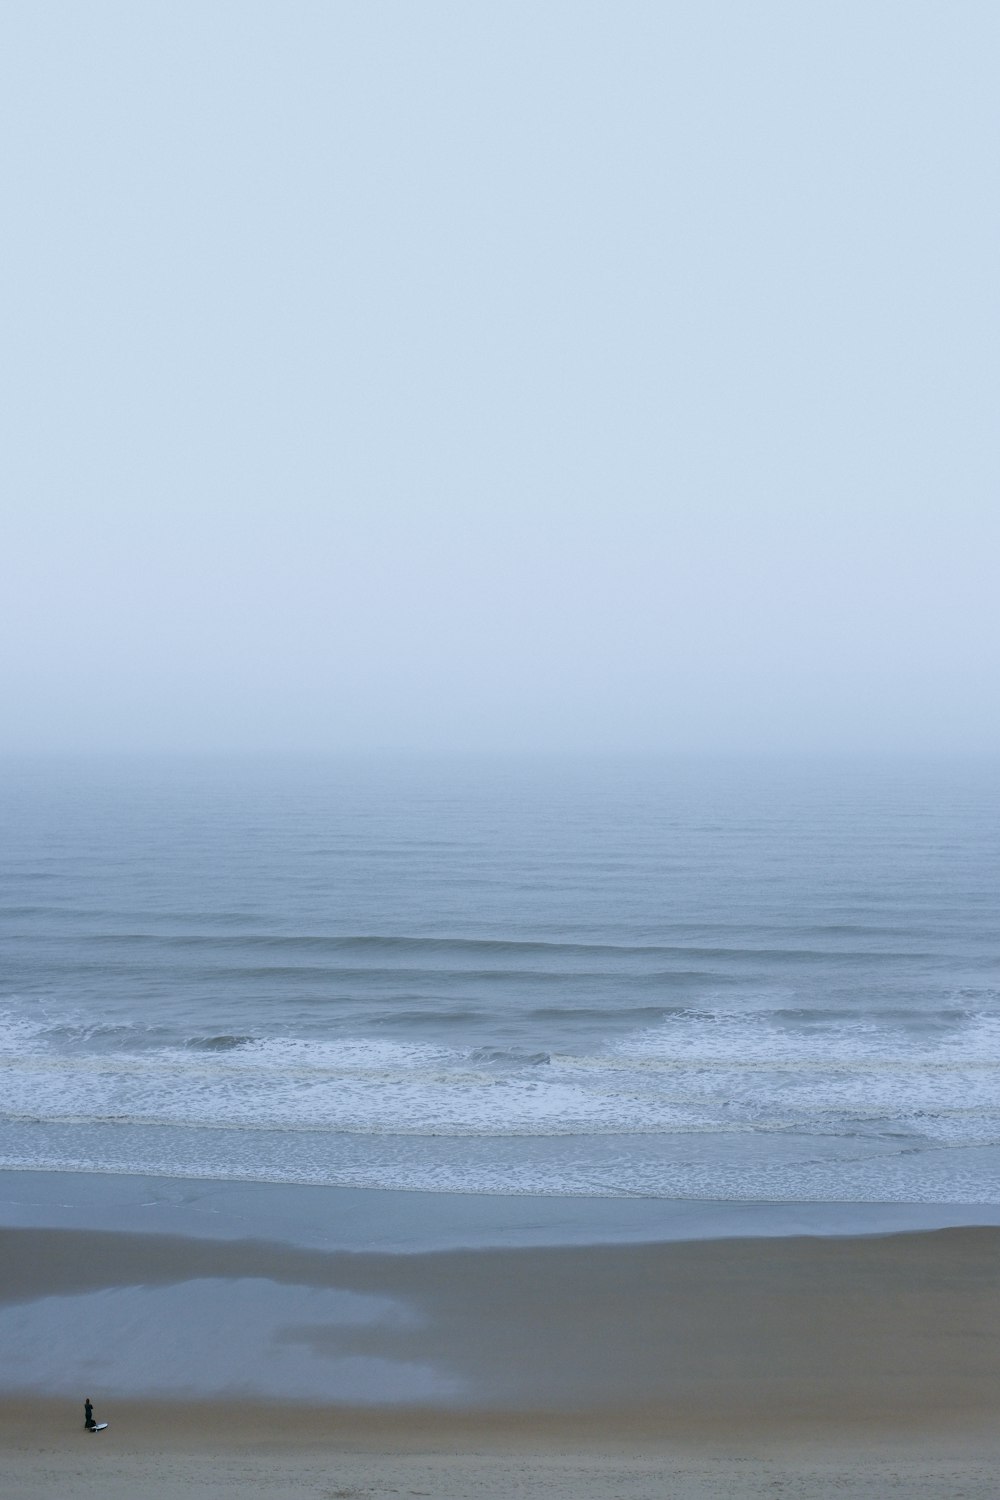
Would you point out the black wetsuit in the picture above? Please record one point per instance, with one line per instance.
(88, 1414)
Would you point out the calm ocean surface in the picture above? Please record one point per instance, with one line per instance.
(754, 981)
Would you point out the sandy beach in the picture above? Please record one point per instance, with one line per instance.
(822, 1330)
(219, 1451)
(843, 1366)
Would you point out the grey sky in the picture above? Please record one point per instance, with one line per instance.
(540, 374)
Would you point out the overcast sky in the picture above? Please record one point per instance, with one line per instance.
(504, 373)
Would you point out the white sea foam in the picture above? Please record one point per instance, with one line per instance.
(695, 1074)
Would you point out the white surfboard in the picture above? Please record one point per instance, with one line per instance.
(98, 1427)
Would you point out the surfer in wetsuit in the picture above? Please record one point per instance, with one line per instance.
(88, 1415)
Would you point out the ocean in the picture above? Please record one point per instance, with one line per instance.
(720, 980)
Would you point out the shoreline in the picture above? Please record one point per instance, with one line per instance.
(347, 1218)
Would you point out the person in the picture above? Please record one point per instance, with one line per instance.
(88, 1415)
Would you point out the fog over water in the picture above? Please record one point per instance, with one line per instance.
(618, 377)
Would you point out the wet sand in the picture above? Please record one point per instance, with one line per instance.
(341, 1218)
(869, 1328)
(724, 1366)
